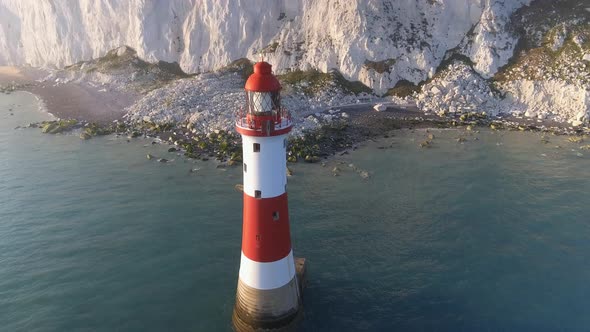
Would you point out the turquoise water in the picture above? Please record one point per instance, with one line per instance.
(488, 235)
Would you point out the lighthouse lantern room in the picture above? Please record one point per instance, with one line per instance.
(268, 294)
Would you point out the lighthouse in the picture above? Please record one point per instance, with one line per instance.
(268, 295)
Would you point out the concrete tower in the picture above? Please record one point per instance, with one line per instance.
(268, 295)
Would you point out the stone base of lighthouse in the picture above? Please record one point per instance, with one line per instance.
(254, 308)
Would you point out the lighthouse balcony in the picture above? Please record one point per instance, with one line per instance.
(272, 123)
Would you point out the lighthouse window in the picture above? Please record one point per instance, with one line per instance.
(245, 168)
(257, 194)
(256, 147)
(285, 143)
(275, 216)
(260, 102)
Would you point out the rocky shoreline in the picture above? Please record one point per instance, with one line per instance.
(319, 132)
(316, 145)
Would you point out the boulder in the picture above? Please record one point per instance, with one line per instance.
(134, 134)
(581, 116)
(379, 107)
(425, 144)
(312, 159)
(50, 127)
(335, 171)
(364, 174)
(530, 113)
(577, 123)
(575, 139)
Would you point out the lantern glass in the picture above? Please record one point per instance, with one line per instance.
(263, 103)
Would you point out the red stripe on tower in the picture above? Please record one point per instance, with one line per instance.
(266, 236)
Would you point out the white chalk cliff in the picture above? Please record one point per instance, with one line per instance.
(378, 42)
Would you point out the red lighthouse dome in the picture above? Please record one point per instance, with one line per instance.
(262, 80)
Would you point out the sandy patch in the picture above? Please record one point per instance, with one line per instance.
(20, 75)
(11, 71)
(79, 101)
(12, 74)
(82, 102)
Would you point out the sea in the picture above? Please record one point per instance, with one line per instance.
(482, 231)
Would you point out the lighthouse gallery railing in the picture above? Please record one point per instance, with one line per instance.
(278, 119)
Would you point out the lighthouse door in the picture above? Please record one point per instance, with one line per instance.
(267, 127)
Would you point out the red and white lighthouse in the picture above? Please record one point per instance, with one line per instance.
(268, 294)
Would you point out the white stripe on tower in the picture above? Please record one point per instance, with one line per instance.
(267, 275)
(265, 170)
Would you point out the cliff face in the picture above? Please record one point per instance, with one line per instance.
(528, 57)
(378, 42)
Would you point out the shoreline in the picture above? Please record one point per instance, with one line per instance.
(100, 112)
(72, 100)
(42, 106)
